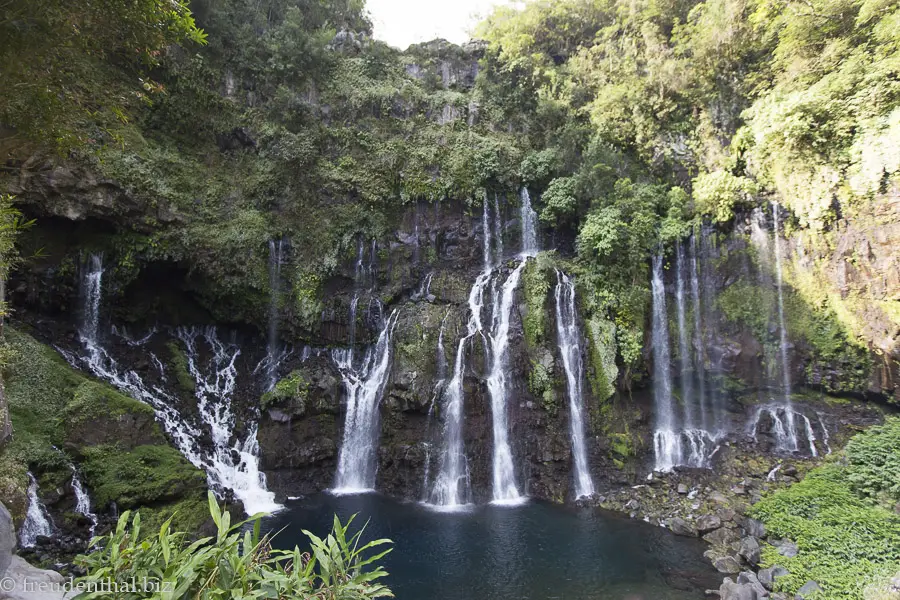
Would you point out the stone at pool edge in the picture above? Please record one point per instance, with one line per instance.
(750, 550)
(808, 588)
(681, 527)
(768, 576)
(7, 539)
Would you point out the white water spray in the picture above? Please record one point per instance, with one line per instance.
(83, 501)
(222, 470)
(505, 489)
(666, 441)
(357, 462)
(569, 338)
(783, 340)
(529, 225)
(37, 521)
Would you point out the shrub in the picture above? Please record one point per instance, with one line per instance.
(844, 542)
(235, 563)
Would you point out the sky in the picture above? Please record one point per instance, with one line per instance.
(404, 22)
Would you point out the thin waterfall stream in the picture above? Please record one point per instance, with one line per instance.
(364, 384)
(37, 521)
(569, 338)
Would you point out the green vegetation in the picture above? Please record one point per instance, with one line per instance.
(537, 280)
(179, 363)
(236, 562)
(114, 439)
(294, 387)
(841, 518)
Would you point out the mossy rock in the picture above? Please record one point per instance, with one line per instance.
(113, 439)
(140, 476)
(179, 363)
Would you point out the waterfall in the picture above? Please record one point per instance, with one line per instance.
(273, 355)
(570, 349)
(451, 486)
(700, 366)
(667, 444)
(365, 384)
(441, 362)
(83, 500)
(505, 489)
(229, 465)
(529, 225)
(684, 347)
(782, 332)
(498, 230)
(785, 428)
(759, 237)
(91, 290)
(37, 521)
(486, 228)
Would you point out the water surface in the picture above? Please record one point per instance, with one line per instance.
(536, 551)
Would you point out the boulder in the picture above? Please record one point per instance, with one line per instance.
(708, 523)
(750, 550)
(682, 488)
(808, 589)
(787, 548)
(727, 564)
(736, 591)
(768, 576)
(31, 583)
(7, 539)
(721, 537)
(681, 527)
(754, 527)
(750, 578)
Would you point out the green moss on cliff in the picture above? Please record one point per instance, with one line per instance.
(537, 280)
(140, 476)
(603, 371)
(179, 363)
(293, 388)
(52, 405)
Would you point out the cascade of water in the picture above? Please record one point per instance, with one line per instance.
(83, 500)
(684, 347)
(505, 489)
(91, 290)
(569, 339)
(782, 332)
(365, 387)
(826, 439)
(709, 254)
(529, 225)
(37, 521)
(451, 486)
(667, 443)
(759, 237)
(784, 428)
(699, 365)
(498, 230)
(229, 465)
(486, 228)
(441, 363)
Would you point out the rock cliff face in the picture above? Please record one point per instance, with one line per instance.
(424, 270)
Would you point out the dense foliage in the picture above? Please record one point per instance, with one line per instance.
(235, 563)
(841, 518)
(630, 122)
